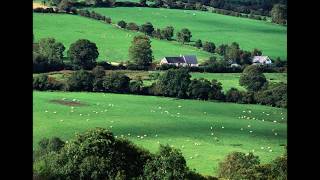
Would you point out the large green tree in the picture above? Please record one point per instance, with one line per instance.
(232, 53)
(83, 53)
(52, 50)
(184, 35)
(167, 164)
(94, 154)
(279, 13)
(238, 165)
(175, 83)
(140, 51)
(252, 78)
(167, 33)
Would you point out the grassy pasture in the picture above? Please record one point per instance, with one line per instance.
(180, 123)
(249, 33)
(113, 43)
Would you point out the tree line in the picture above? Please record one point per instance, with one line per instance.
(175, 83)
(98, 154)
(48, 56)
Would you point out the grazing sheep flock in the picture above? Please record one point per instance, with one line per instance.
(198, 133)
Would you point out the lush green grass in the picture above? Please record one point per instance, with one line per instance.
(271, 38)
(113, 43)
(134, 115)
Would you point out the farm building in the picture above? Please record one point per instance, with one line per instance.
(261, 60)
(190, 60)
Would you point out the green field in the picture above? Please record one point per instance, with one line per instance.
(113, 43)
(269, 37)
(163, 121)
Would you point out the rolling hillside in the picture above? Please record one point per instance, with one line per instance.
(113, 43)
(205, 131)
(250, 34)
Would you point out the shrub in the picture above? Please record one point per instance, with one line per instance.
(80, 81)
(107, 20)
(233, 95)
(209, 47)
(198, 43)
(43, 82)
(116, 82)
(98, 72)
(122, 24)
(133, 26)
(136, 86)
(84, 13)
(147, 28)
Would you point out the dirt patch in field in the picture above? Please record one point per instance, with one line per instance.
(68, 103)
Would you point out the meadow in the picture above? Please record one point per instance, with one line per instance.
(113, 43)
(204, 131)
(249, 33)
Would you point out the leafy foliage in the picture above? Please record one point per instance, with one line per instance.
(184, 35)
(140, 51)
(168, 163)
(252, 78)
(95, 154)
(80, 81)
(175, 83)
(83, 54)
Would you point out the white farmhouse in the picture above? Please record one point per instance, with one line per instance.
(261, 60)
(190, 60)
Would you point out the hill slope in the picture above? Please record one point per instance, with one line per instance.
(250, 34)
(113, 43)
(185, 124)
